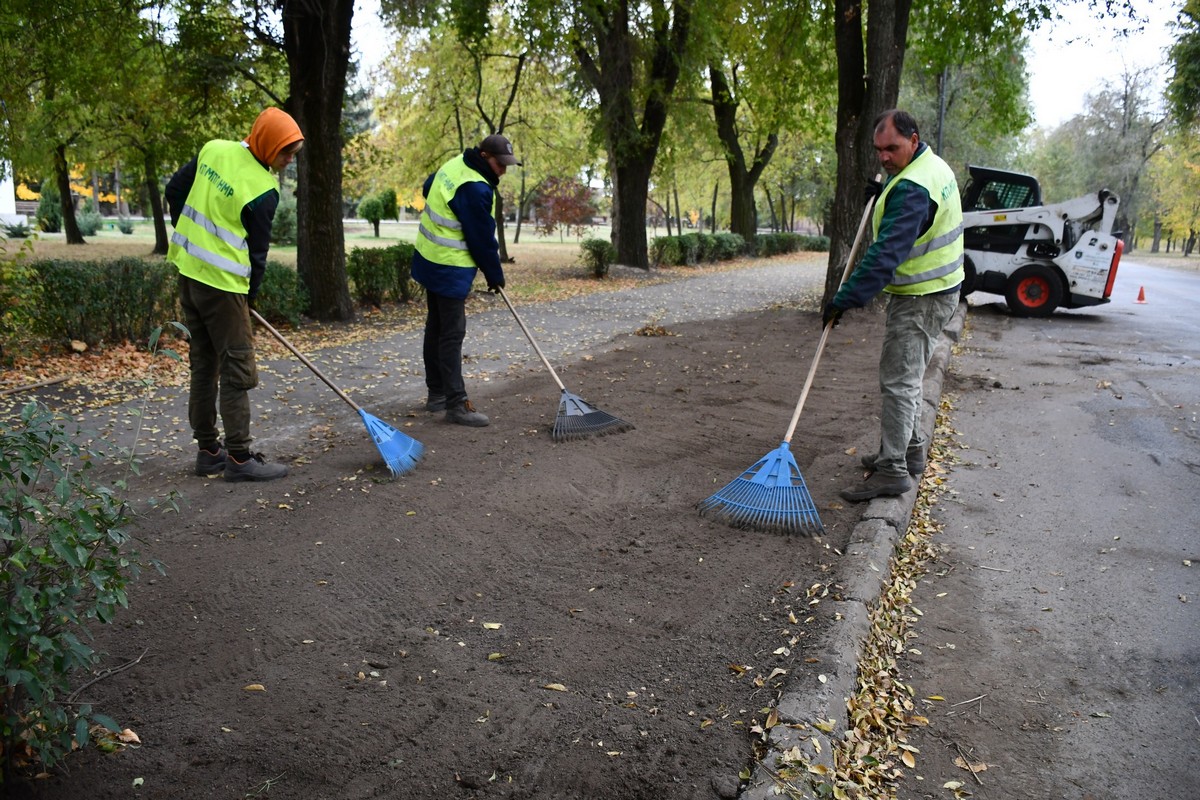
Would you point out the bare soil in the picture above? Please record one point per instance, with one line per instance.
(515, 618)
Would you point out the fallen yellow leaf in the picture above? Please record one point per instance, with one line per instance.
(909, 759)
(129, 737)
(492, 626)
(555, 687)
(254, 687)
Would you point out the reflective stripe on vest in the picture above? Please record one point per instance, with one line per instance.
(935, 261)
(440, 235)
(209, 243)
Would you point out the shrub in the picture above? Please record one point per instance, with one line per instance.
(770, 244)
(49, 210)
(728, 246)
(125, 225)
(18, 297)
(373, 273)
(65, 563)
(597, 255)
(89, 222)
(666, 251)
(96, 301)
(383, 273)
(282, 297)
(17, 230)
(284, 228)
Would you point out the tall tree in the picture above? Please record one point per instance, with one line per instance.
(631, 56)
(1183, 91)
(770, 69)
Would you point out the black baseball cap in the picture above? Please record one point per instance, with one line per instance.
(501, 148)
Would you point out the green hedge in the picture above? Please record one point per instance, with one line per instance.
(282, 297)
(691, 249)
(772, 244)
(95, 301)
(597, 255)
(126, 299)
(379, 274)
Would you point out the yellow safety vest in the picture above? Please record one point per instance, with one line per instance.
(440, 235)
(209, 243)
(935, 262)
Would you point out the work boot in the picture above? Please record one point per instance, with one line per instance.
(210, 462)
(465, 414)
(254, 468)
(914, 459)
(435, 402)
(878, 485)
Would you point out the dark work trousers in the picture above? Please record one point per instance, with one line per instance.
(445, 328)
(221, 356)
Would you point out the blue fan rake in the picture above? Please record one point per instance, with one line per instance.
(772, 495)
(400, 452)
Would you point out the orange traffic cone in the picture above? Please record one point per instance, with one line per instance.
(1141, 295)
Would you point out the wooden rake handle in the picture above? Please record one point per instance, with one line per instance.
(529, 336)
(303, 360)
(812, 371)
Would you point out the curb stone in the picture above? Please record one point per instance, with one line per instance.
(871, 545)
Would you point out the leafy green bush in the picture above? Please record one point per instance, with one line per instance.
(597, 255)
(284, 228)
(64, 562)
(373, 273)
(728, 246)
(96, 301)
(17, 230)
(18, 297)
(666, 251)
(383, 273)
(89, 222)
(49, 210)
(770, 244)
(125, 225)
(282, 297)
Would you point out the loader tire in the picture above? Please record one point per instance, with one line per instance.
(1033, 291)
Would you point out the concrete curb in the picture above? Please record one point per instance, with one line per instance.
(866, 571)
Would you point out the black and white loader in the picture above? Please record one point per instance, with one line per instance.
(1040, 257)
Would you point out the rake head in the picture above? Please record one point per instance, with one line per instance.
(400, 452)
(771, 495)
(577, 420)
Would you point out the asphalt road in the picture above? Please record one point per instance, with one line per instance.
(1066, 606)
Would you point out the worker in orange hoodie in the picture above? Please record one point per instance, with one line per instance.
(222, 205)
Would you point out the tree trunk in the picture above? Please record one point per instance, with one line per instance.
(713, 219)
(62, 177)
(677, 209)
(317, 43)
(122, 207)
(633, 147)
(521, 199)
(668, 194)
(156, 204)
(743, 212)
(868, 83)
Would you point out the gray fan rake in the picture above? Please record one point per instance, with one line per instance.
(576, 419)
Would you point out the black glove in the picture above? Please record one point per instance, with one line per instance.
(872, 190)
(250, 298)
(832, 315)
(495, 288)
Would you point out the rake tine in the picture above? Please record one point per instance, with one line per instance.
(576, 419)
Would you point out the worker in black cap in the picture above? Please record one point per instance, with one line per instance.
(456, 238)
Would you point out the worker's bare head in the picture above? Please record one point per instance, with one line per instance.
(896, 139)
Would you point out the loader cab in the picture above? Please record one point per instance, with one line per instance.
(995, 190)
(989, 189)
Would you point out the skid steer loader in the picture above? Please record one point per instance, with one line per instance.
(1040, 257)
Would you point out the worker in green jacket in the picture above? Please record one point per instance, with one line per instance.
(222, 205)
(917, 260)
